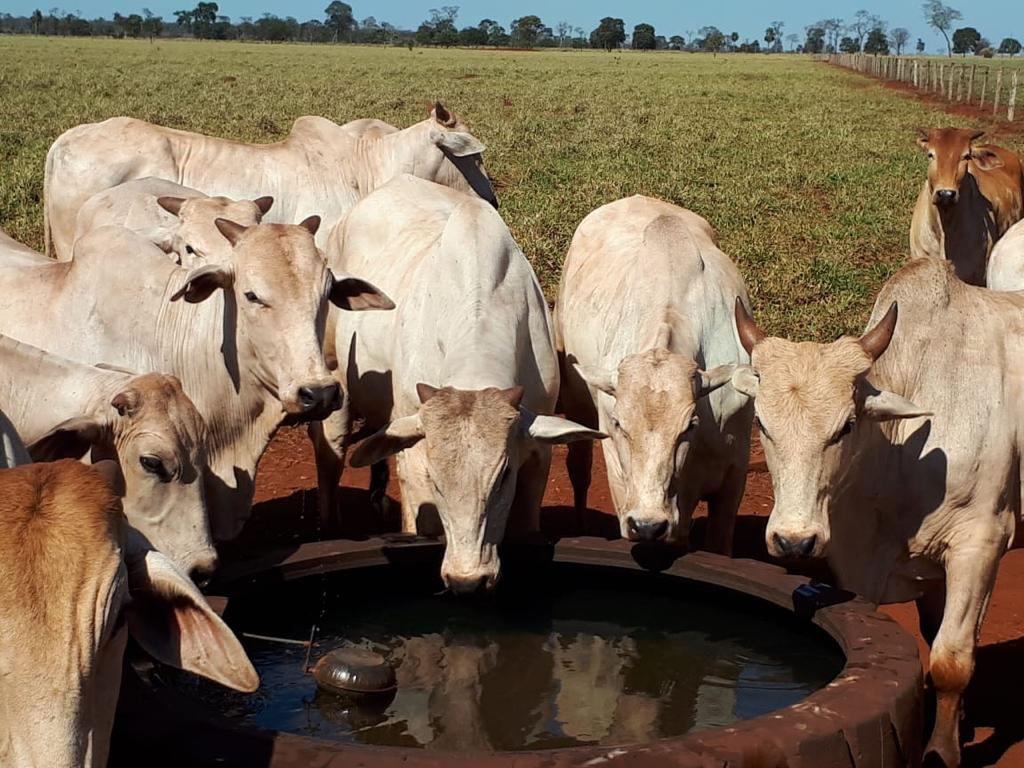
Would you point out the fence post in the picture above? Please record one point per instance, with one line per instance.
(952, 67)
(917, 83)
(984, 87)
(999, 87)
(1013, 98)
(970, 83)
(942, 75)
(960, 85)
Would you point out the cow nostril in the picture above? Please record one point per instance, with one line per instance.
(641, 530)
(781, 543)
(307, 396)
(946, 195)
(806, 546)
(659, 530)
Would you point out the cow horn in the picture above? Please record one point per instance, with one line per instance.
(311, 223)
(171, 204)
(263, 203)
(876, 341)
(110, 471)
(232, 231)
(750, 334)
(975, 135)
(424, 391)
(125, 402)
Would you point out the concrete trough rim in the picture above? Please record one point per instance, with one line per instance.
(870, 715)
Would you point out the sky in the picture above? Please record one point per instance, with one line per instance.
(995, 19)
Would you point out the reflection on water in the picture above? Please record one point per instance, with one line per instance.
(581, 666)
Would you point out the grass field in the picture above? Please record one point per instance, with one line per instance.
(808, 172)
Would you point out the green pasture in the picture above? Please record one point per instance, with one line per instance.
(807, 171)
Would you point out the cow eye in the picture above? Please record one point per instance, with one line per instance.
(931, 155)
(155, 466)
(252, 298)
(190, 250)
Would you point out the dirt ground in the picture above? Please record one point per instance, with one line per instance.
(286, 512)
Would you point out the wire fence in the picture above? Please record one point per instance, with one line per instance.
(967, 83)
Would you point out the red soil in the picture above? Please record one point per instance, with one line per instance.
(286, 512)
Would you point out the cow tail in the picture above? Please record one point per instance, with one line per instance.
(47, 177)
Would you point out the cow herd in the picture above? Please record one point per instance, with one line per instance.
(198, 293)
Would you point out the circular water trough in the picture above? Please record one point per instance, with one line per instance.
(869, 715)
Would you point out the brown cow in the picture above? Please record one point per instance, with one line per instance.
(73, 585)
(972, 195)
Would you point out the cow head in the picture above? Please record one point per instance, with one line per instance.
(280, 284)
(197, 240)
(650, 412)
(159, 439)
(74, 585)
(455, 157)
(811, 401)
(951, 153)
(474, 444)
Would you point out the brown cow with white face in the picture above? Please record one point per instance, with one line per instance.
(73, 586)
(973, 194)
(904, 507)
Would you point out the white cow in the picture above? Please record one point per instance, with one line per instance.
(180, 220)
(458, 380)
(1006, 264)
(904, 507)
(644, 327)
(244, 337)
(64, 409)
(320, 166)
(73, 585)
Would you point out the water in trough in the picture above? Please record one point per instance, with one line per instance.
(581, 657)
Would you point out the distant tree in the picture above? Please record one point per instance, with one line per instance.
(863, 22)
(37, 21)
(986, 52)
(900, 36)
(733, 37)
(472, 37)
(152, 25)
(1010, 46)
(941, 17)
(564, 29)
(710, 39)
(849, 45)
(676, 42)
(877, 42)
(339, 19)
(773, 36)
(183, 19)
(965, 40)
(525, 30)
(920, 45)
(792, 38)
(644, 38)
(610, 34)
(815, 41)
(832, 27)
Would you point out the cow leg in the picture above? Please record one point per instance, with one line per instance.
(380, 475)
(930, 607)
(579, 464)
(419, 508)
(722, 508)
(970, 577)
(328, 438)
(531, 480)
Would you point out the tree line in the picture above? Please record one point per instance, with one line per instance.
(866, 32)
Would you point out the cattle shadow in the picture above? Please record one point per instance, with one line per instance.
(991, 702)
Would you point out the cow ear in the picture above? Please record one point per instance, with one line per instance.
(441, 115)
(604, 379)
(425, 392)
(203, 281)
(357, 295)
(171, 204)
(880, 405)
(706, 382)
(232, 231)
(397, 436)
(173, 623)
(71, 439)
(986, 159)
(126, 402)
(263, 203)
(311, 224)
(457, 143)
(745, 380)
(553, 429)
(922, 137)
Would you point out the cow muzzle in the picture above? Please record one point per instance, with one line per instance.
(314, 401)
(945, 197)
(463, 581)
(647, 528)
(796, 545)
